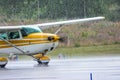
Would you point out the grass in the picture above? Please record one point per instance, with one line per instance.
(103, 50)
(90, 51)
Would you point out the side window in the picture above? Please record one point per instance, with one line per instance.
(14, 35)
(3, 35)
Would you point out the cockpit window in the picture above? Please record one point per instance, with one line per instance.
(28, 30)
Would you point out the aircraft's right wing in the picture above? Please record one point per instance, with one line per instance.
(4, 29)
(68, 22)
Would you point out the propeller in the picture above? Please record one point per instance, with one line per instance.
(63, 37)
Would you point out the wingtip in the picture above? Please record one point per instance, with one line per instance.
(101, 17)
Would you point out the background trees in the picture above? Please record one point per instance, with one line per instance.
(21, 10)
(14, 12)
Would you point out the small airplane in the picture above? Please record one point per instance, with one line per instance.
(30, 40)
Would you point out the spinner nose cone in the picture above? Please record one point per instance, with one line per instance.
(56, 38)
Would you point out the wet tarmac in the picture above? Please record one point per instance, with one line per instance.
(102, 68)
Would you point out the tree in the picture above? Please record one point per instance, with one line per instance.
(58, 9)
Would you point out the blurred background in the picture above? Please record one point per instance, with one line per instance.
(105, 34)
(33, 11)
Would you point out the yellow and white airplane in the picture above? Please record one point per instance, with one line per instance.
(30, 40)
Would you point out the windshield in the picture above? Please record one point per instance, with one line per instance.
(28, 30)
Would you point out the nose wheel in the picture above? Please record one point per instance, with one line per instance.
(3, 62)
(42, 59)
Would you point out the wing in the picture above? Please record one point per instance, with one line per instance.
(53, 24)
(5, 29)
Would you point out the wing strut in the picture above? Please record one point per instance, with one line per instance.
(61, 26)
(12, 45)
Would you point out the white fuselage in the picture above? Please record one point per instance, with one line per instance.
(30, 49)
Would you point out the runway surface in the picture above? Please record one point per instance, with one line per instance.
(102, 68)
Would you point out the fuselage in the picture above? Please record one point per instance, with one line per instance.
(29, 39)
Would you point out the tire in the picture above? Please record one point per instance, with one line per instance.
(2, 66)
(39, 62)
(43, 63)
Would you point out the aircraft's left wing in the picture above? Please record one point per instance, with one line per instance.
(5, 29)
(52, 24)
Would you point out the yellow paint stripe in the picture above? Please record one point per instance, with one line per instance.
(22, 41)
(25, 44)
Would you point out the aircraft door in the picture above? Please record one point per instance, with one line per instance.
(14, 35)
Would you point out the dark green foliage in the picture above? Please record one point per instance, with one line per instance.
(84, 34)
(58, 9)
(77, 45)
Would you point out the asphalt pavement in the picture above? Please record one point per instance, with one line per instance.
(97, 68)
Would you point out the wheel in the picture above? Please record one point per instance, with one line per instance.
(2, 66)
(3, 62)
(43, 63)
(39, 62)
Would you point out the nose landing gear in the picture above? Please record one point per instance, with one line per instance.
(42, 59)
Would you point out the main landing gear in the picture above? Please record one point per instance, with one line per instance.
(42, 59)
(3, 62)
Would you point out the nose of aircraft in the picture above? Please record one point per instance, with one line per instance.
(54, 38)
(48, 36)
